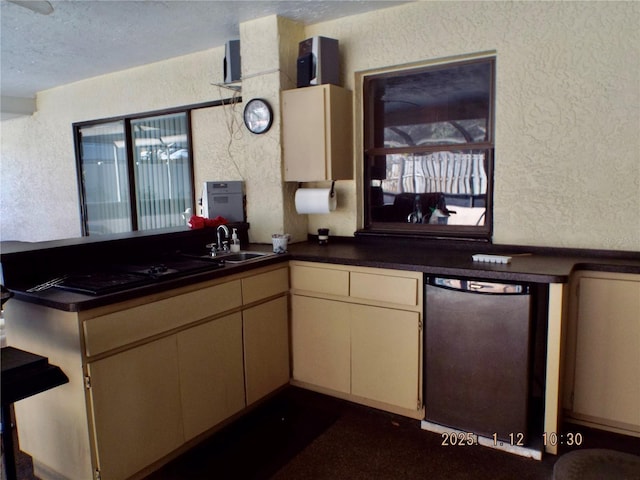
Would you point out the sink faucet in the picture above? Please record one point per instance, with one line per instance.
(223, 245)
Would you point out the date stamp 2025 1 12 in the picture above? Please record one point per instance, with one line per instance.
(450, 439)
(517, 439)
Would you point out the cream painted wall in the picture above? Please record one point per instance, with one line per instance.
(568, 116)
(38, 194)
(567, 167)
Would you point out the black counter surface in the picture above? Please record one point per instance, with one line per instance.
(534, 265)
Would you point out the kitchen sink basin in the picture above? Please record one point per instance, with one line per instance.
(237, 257)
(241, 257)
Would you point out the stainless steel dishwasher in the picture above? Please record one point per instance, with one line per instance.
(477, 357)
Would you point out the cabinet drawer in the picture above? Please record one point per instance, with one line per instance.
(265, 285)
(320, 280)
(134, 324)
(384, 288)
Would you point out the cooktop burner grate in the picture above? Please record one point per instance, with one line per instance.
(123, 277)
(103, 282)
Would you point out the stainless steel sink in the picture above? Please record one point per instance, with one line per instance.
(236, 257)
(242, 257)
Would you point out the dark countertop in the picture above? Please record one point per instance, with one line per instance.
(534, 265)
(523, 268)
(76, 302)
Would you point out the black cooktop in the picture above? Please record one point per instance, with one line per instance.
(103, 282)
(123, 277)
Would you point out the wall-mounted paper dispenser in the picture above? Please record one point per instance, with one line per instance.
(316, 200)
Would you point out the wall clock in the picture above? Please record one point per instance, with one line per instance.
(258, 115)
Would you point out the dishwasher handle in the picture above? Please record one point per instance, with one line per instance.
(479, 286)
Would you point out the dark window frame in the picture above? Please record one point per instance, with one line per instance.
(127, 119)
(371, 115)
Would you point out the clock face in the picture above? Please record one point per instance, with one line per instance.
(258, 116)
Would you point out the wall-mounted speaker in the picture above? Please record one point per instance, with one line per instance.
(232, 61)
(318, 62)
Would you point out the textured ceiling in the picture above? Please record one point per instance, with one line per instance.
(86, 38)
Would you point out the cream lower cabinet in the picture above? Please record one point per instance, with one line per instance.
(357, 334)
(135, 397)
(150, 376)
(266, 348)
(602, 363)
(265, 322)
(321, 342)
(211, 373)
(385, 355)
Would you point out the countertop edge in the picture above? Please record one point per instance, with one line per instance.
(531, 268)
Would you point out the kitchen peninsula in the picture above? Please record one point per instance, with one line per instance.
(153, 344)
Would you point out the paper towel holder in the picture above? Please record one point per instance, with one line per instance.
(332, 192)
(315, 200)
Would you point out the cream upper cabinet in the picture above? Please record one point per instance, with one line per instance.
(602, 376)
(317, 134)
(356, 334)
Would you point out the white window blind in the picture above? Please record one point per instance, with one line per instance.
(155, 159)
(162, 170)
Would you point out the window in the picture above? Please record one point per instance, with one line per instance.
(428, 150)
(134, 173)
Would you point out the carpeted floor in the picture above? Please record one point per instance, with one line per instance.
(303, 435)
(369, 444)
(257, 445)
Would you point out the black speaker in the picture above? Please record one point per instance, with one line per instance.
(232, 61)
(318, 62)
(305, 70)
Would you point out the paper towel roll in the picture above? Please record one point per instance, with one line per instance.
(315, 200)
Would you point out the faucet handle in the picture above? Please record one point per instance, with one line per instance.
(214, 248)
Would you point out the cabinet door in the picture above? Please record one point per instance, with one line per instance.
(317, 133)
(135, 397)
(266, 348)
(320, 342)
(211, 373)
(385, 355)
(607, 366)
(304, 134)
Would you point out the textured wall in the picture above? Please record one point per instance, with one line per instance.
(261, 79)
(567, 115)
(567, 119)
(38, 194)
